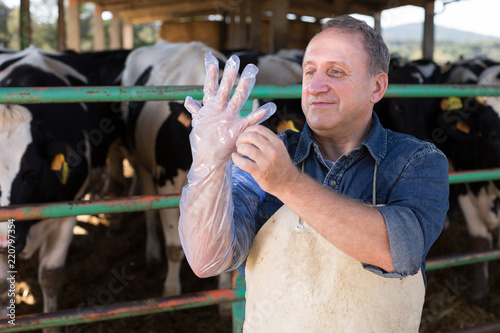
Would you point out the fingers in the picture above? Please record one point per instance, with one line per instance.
(193, 106)
(245, 86)
(261, 114)
(211, 84)
(227, 82)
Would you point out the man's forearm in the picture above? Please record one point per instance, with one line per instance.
(205, 223)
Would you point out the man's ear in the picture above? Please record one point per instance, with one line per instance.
(381, 81)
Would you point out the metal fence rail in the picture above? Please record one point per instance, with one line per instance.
(157, 93)
(140, 203)
(116, 94)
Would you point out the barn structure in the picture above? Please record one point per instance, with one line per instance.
(266, 25)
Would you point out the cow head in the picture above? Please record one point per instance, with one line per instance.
(472, 135)
(34, 167)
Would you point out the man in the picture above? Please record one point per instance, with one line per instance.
(331, 226)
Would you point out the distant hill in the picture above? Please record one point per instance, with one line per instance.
(415, 30)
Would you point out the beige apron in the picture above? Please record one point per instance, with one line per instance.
(298, 282)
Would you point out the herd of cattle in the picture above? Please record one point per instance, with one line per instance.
(51, 152)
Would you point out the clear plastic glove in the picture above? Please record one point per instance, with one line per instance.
(206, 205)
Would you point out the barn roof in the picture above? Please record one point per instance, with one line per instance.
(142, 11)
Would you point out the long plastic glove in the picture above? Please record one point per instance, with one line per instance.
(206, 205)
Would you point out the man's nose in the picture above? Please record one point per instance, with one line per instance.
(318, 84)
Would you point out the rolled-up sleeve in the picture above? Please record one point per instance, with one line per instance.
(415, 212)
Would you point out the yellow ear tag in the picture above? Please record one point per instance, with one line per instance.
(454, 103)
(59, 164)
(284, 125)
(463, 127)
(184, 119)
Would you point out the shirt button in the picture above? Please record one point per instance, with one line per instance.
(333, 183)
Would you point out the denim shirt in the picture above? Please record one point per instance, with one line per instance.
(412, 190)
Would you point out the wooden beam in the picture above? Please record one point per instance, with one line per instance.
(304, 7)
(340, 7)
(279, 26)
(377, 18)
(73, 39)
(25, 24)
(128, 36)
(61, 31)
(144, 11)
(99, 43)
(191, 7)
(256, 26)
(236, 32)
(115, 41)
(428, 38)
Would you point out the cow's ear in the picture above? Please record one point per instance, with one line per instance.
(57, 153)
(455, 120)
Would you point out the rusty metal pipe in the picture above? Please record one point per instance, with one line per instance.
(121, 310)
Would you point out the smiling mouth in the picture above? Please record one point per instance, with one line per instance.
(321, 103)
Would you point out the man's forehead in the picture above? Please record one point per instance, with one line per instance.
(318, 44)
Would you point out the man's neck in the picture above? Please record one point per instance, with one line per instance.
(333, 147)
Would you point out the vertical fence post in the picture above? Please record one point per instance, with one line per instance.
(238, 307)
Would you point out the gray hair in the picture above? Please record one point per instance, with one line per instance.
(378, 52)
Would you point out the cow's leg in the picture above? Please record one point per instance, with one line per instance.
(52, 257)
(170, 226)
(53, 238)
(153, 245)
(170, 221)
(117, 184)
(481, 240)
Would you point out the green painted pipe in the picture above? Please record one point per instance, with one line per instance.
(135, 204)
(74, 317)
(470, 177)
(73, 208)
(462, 259)
(150, 93)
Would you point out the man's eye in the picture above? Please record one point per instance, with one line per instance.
(336, 73)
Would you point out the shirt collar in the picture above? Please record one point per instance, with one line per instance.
(375, 143)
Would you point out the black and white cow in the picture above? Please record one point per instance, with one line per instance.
(466, 71)
(471, 141)
(158, 139)
(491, 76)
(467, 132)
(47, 152)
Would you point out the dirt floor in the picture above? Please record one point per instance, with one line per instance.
(95, 255)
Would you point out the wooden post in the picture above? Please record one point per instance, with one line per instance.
(256, 26)
(377, 25)
(73, 38)
(115, 41)
(61, 31)
(428, 38)
(128, 35)
(98, 29)
(279, 26)
(236, 32)
(25, 24)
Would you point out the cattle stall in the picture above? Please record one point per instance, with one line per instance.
(150, 306)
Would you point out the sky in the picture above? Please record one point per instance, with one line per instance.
(478, 16)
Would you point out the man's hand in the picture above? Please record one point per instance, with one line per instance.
(265, 157)
(217, 124)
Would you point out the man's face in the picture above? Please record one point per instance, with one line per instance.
(337, 91)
